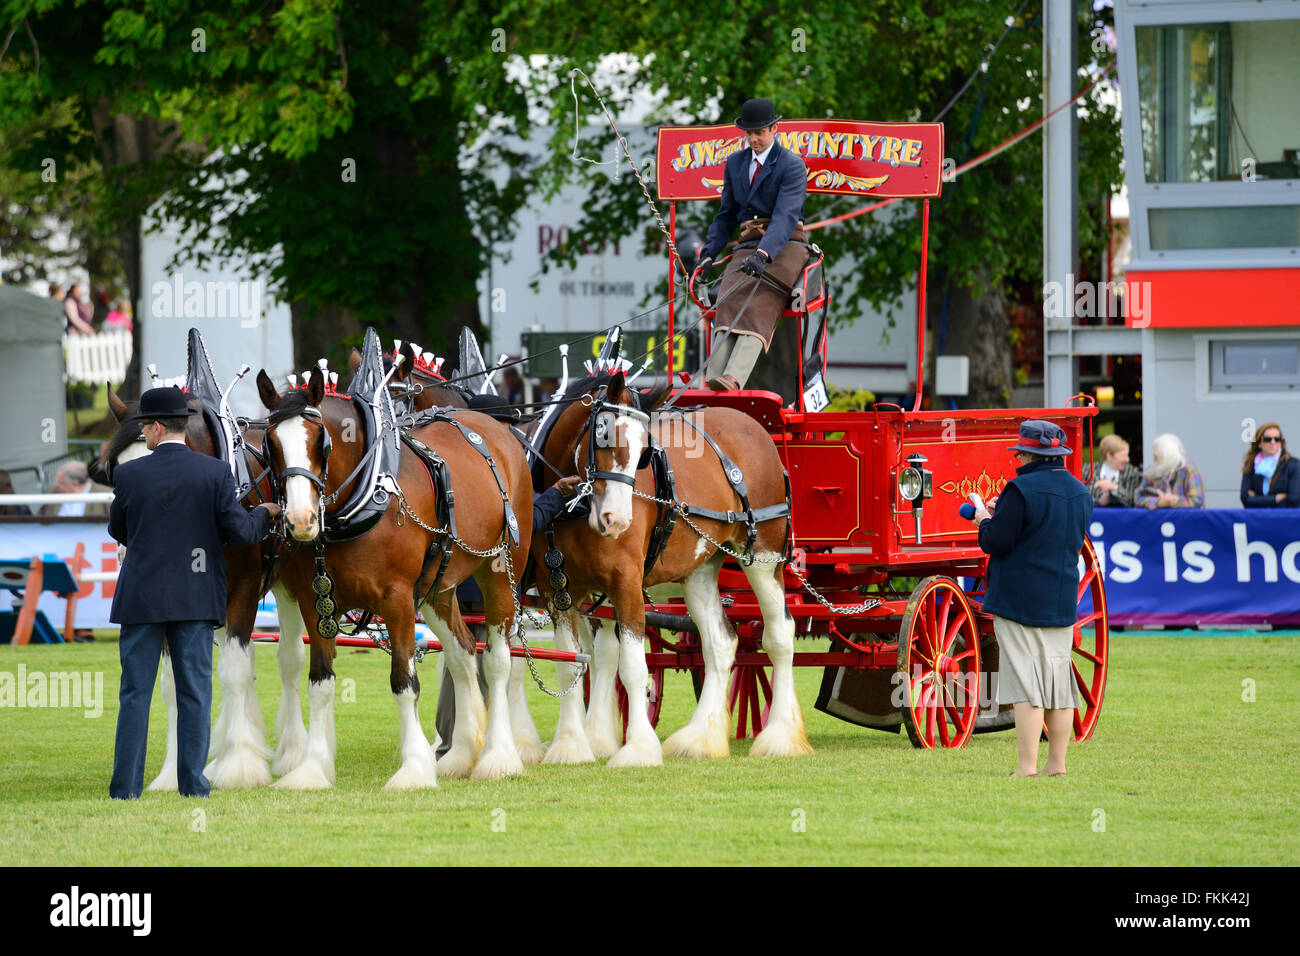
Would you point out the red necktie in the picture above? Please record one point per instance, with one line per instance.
(757, 167)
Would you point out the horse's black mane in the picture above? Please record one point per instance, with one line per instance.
(291, 405)
(580, 387)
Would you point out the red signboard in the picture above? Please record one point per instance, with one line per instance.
(842, 156)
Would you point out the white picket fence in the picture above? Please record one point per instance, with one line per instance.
(99, 359)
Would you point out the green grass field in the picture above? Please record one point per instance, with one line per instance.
(1182, 770)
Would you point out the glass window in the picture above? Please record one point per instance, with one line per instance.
(1224, 227)
(1218, 101)
(1254, 364)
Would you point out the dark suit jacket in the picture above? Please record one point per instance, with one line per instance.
(174, 511)
(1285, 479)
(778, 194)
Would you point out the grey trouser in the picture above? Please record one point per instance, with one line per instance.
(734, 355)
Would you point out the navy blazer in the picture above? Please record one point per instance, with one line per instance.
(1285, 479)
(175, 510)
(778, 194)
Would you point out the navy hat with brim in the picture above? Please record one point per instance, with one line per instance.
(1041, 438)
(167, 402)
(757, 114)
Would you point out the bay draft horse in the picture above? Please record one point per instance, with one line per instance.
(605, 431)
(238, 755)
(387, 569)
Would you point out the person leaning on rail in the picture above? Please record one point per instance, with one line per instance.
(1172, 481)
(763, 190)
(1114, 482)
(1270, 477)
(1033, 540)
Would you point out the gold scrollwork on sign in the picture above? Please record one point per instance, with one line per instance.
(830, 179)
(985, 486)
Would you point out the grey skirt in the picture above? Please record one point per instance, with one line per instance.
(1035, 665)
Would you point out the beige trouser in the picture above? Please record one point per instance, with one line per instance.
(734, 355)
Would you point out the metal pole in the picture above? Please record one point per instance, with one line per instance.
(1060, 203)
(920, 307)
(672, 285)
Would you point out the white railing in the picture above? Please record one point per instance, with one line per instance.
(100, 358)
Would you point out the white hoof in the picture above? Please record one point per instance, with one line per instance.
(414, 774)
(694, 743)
(311, 774)
(290, 751)
(166, 779)
(493, 765)
(641, 753)
(784, 738)
(456, 762)
(530, 751)
(240, 768)
(569, 748)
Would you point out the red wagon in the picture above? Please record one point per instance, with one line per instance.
(883, 566)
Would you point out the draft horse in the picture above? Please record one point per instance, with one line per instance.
(239, 755)
(725, 467)
(399, 564)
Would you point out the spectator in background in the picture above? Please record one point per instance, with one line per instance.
(1114, 483)
(56, 291)
(73, 478)
(7, 488)
(512, 386)
(1270, 477)
(1171, 481)
(76, 318)
(119, 316)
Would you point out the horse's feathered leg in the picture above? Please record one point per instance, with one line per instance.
(784, 735)
(166, 779)
(242, 760)
(602, 706)
(290, 732)
(316, 772)
(570, 743)
(417, 768)
(471, 715)
(528, 742)
(499, 757)
(642, 748)
(706, 734)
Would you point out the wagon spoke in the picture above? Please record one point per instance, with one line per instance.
(1087, 619)
(951, 636)
(941, 709)
(964, 655)
(1084, 689)
(1095, 658)
(941, 623)
(1085, 583)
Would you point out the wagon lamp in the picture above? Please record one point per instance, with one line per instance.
(915, 484)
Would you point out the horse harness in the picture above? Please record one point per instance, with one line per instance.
(655, 456)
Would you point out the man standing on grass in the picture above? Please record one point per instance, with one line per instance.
(174, 510)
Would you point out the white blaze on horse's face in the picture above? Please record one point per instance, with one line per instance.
(300, 498)
(616, 436)
(137, 449)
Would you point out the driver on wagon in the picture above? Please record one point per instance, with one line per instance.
(763, 190)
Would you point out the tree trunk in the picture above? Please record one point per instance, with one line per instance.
(978, 327)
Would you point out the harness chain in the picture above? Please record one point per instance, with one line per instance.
(680, 508)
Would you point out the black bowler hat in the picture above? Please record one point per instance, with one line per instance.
(1041, 438)
(757, 114)
(168, 402)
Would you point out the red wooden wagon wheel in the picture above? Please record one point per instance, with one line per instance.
(1088, 660)
(939, 665)
(749, 695)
